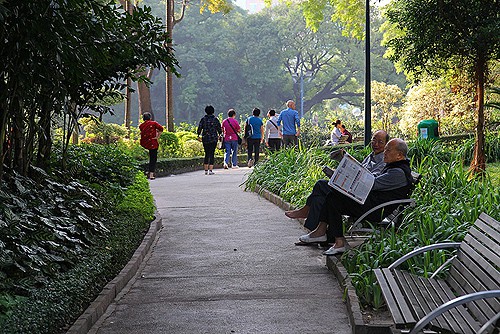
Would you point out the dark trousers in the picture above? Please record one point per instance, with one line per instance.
(316, 202)
(153, 157)
(209, 152)
(290, 140)
(274, 144)
(337, 205)
(253, 148)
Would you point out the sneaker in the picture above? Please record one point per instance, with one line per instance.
(235, 167)
(250, 163)
(206, 172)
(334, 251)
(210, 173)
(226, 166)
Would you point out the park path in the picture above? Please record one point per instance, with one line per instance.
(225, 261)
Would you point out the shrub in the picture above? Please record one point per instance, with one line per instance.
(62, 241)
(170, 145)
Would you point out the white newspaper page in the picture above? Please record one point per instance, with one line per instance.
(352, 179)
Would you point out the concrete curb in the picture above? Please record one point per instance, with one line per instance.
(108, 294)
(333, 263)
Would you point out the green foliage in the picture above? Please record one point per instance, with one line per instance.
(138, 200)
(99, 132)
(83, 238)
(45, 227)
(170, 145)
(101, 165)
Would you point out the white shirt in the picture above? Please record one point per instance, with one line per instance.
(271, 130)
(335, 136)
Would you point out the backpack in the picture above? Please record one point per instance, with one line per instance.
(248, 129)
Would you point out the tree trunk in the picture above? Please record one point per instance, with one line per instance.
(129, 8)
(478, 163)
(144, 95)
(169, 103)
(44, 137)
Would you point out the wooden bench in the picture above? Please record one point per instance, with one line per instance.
(465, 301)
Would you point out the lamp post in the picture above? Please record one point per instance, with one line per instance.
(301, 76)
(368, 105)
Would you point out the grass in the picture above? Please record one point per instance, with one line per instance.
(493, 170)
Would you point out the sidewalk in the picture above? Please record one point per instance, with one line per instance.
(225, 262)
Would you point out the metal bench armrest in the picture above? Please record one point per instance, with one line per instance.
(451, 305)
(409, 201)
(423, 250)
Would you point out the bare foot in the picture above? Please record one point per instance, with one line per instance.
(300, 213)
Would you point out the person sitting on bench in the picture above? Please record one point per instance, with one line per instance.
(393, 183)
(374, 162)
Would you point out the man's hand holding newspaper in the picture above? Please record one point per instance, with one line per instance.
(352, 179)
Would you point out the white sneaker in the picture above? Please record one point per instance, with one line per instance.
(334, 251)
(206, 172)
(250, 163)
(225, 166)
(235, 167)
(210, 173)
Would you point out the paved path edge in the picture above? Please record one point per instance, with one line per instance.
(108, 294)
(333, 263)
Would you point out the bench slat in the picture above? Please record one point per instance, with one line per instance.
(400, 311)
(420, 296)
(458, 319)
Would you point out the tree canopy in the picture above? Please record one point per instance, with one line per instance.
(439, 35)
(59, 56)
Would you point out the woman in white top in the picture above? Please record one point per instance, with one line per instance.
(273, 131)
(336, 133)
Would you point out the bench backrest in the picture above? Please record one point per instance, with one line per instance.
(476, 267)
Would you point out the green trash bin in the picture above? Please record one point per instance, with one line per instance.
(428, 129)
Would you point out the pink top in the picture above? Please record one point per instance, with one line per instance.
(229, 134)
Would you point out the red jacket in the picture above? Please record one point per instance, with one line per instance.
(148, 134)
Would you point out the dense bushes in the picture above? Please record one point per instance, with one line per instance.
(65, 235)
(448, 202)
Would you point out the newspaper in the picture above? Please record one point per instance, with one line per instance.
(352, 179)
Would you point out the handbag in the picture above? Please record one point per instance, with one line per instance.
(220, 142)
(239, 138)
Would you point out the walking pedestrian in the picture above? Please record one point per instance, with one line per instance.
(273, 131)
(291, 124)
(150, 132)
(254, 128)
(209, 130)
(231, 127)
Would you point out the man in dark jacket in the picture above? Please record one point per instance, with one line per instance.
(393, 183)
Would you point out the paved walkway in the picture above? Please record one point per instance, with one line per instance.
(225, 262)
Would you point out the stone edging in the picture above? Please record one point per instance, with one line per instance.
(98, 307)
(334, 264)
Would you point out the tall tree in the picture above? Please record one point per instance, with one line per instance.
(171, 20)
(438, 35)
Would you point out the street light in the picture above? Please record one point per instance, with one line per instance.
(301, 76)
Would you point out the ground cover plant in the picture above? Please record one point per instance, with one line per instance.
(64, 235)
(448, 202)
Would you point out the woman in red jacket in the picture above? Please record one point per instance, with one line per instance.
(150, 132)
